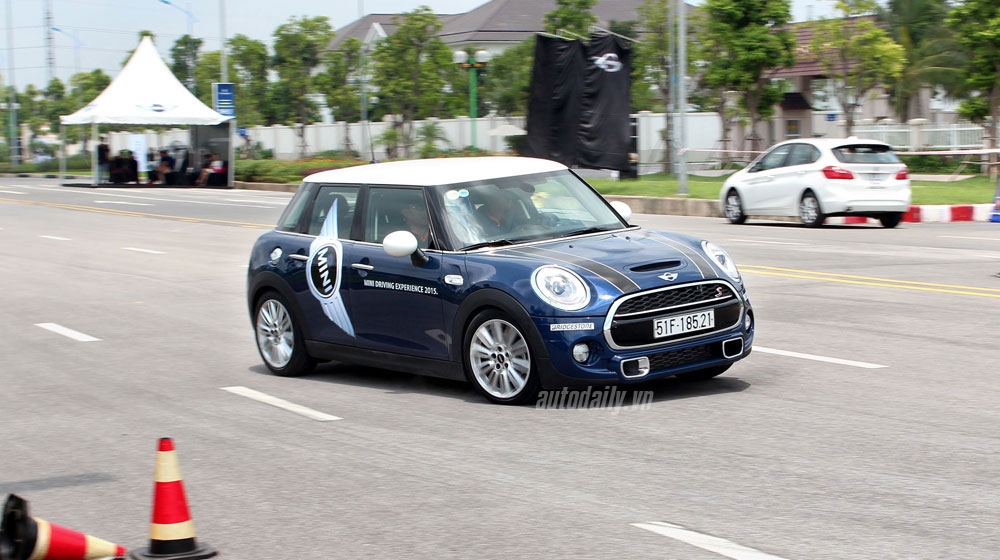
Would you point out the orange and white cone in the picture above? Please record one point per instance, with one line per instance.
(171, 532)
(29, 538)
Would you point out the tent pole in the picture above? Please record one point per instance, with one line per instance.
(231, 167)
(93, 153)
(62, 151)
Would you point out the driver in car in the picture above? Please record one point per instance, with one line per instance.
(415, 216)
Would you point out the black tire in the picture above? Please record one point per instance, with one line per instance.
(531, 385)
(734, 208)
(703, 374)
(891, 219)
(817, 217)
(300, 362)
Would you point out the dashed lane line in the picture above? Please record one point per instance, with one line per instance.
(122, 202)
(56, 237)
(281, 403)
(720, 546)
(69, 333)
(150, 251)
(816, 358)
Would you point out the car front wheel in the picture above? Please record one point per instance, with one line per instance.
(278, 340)
(498, 359)
(809, 210)
(734, 208)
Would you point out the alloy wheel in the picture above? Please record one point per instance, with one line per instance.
(501, 362)
(275, 334)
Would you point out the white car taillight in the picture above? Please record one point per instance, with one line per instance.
(834, 172)
(903, 174)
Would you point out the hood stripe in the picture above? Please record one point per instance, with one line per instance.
(692, 254)
(617, 279)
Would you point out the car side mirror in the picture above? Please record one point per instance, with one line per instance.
(624, 210)
(403, 243)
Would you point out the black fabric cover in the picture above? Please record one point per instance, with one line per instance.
(578, 111)
(555, 102)
(604, 135)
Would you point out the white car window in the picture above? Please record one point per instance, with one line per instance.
(775, 158)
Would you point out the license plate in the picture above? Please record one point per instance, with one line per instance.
(680, 324)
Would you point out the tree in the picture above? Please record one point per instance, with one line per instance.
(653, 57)
(856, 54)
(250, 60)
(209, 70)
(716, 79)
(184, 58)
(506, 82)
(572, 15)
(977, 28)
(298, 45)
(412, 70)
(754, 35)
(931, 55)
(339, 82)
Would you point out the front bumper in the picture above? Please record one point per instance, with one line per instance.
(606, 364)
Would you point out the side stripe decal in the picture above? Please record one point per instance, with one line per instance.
(617, 279)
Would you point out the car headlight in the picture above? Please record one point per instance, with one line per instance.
(721, 258)
(560, 288)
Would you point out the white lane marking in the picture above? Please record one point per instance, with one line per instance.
(987, 256)
(70, 190)
(965, 237)
(150, 251)
(122, 202)
(814, 357)
(720, 546)
(281, 202)
(59, 329)
(12, 192)
(768, 242)
(56, 237)
(281, 403)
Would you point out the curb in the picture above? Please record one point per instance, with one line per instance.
(274, 187)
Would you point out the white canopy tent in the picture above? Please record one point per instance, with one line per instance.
(146, 92)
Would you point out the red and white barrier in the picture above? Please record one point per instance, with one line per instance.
(929, 213)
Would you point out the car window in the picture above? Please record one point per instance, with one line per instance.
(395, 209)
(865, 153)
(802, 154)
(292, 216)
(346, 199)
(775, 158)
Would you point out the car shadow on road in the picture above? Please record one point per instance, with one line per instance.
(394, 382)
(796, 225)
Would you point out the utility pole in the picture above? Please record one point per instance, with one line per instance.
(49, 44)
(222, 33)
(15, 141)
(682, 186)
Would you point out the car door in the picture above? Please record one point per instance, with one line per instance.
(759, 185)
(325, 241)
(792, 178)
(397, 303)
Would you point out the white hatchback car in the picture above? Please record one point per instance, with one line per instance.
(820, 177)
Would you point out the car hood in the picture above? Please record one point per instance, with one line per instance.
(614, 263)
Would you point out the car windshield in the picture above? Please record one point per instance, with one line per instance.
(865, 153)
(522, 208)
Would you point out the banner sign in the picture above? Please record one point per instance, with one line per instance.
(224, 99)
(137, 145)
(579, 107)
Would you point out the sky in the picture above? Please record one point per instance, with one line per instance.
(108, 29)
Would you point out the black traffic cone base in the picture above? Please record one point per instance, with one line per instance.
(201, 551)
(17, 530)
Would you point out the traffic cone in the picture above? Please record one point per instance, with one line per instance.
(29, 538)
(171, 531)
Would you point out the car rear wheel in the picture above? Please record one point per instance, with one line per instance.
(734, 208)
(498, 359)
(278, 340)
(891, 219)
(703, 374)
(809, 210)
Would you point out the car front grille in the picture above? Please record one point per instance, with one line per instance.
(683, 357)
(631, 324)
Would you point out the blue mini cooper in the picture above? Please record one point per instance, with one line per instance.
(511, 273)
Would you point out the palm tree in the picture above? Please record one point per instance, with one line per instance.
(932, 57)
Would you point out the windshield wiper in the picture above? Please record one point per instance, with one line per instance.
(587, 230)
(494, 243)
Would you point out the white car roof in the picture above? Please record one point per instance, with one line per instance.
(832, 142)
(441, 171)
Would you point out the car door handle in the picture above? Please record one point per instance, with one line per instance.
(360, 266)
(297, 257)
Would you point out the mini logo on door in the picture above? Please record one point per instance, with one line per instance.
(668, 276)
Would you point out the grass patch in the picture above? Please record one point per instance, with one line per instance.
(975, 190)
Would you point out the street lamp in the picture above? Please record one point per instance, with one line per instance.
(76, 45)
(479, 60)
(191, 20)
